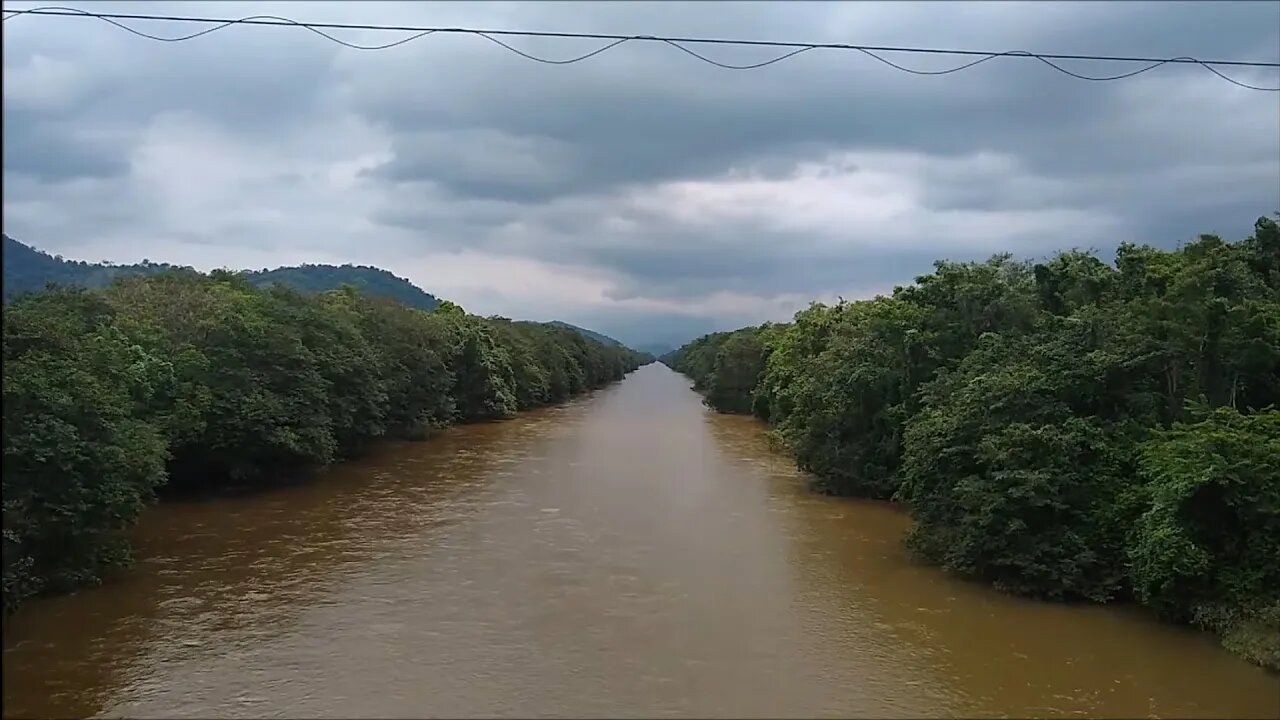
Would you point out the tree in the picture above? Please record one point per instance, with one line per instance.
(1207, 547)
(736, 369)
(1066, 429)
(79, 461)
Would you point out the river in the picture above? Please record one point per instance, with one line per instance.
(628, 554)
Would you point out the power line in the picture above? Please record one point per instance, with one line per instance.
(794, 48)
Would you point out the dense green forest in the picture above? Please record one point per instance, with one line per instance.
(1066, 429)
(27, 269)
(195, 382)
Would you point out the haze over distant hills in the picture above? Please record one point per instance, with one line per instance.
(655, 349)
(27, 269)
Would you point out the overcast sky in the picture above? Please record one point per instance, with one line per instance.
(641, 193)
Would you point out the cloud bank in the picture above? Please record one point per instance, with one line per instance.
(641, 193)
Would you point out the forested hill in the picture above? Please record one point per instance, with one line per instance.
(28, 269)
(368, 280)
(588, 334)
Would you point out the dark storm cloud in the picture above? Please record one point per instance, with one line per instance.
(658, 252)
(253, 81)
(695, 120)
(678, 181)
(1113, 150)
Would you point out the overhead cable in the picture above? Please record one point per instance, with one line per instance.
(680, 43)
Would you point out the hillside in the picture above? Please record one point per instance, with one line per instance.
(28, 269)
(366, 279)
(589, 334)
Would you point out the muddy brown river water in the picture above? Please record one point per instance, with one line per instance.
(627, 555)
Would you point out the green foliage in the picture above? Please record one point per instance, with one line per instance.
(1067, 429)
(1207, 546)
(698, 358)
(789, 366)
(726, 366)
(484, 384)
(736, 370)
(1017, 462)
(412, 359)
(208, 381)
(844, 420)
(80, 457)
(260, 401)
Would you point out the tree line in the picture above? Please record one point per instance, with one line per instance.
(200, 382)
(1067, 429)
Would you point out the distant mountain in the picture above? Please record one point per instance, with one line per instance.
(367, 279)
(29, 269)
(589, 334)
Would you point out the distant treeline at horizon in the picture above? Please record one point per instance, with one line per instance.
(198, 382)
(1067, 429)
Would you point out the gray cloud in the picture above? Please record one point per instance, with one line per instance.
(58, 150)
(640, 192)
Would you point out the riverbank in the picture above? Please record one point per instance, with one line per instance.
(196, 382)
(1061, 430)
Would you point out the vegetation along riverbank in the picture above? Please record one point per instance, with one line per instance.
(1067, 429)
(204, 381)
